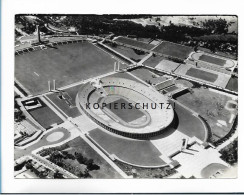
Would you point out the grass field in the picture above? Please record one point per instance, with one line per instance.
(134, 43)
(66, 64)
(233, 84)
(174, 50)
(201, 74)
(126, 114)
(170, 89)
(45, 116)
(153, 61)
(209, 105)
(70, 111)
(212, 60)
(188, 124)
(131, 151)
(128, 52)
(143, 74)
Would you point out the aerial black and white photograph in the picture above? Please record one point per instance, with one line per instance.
(114, 96)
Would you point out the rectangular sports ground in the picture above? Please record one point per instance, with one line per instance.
(212, 60)
(174, 50)
(201, 74)
(134, 43)
(65, 63)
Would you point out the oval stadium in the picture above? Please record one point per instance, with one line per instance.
(125, 107)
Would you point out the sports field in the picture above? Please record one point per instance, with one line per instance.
(170, 89)
(174, 50)
(153, 61)
(212, 60)
(65, 63)
(128, 52)
(126, 114)
(45, 116)
(136, 152)
(134, 43)
(201, 74)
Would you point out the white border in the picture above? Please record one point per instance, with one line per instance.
(12, 7)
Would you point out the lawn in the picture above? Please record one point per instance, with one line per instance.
(45, 116)
(131, 151)
(143, 74)
(209, 105)
(128, 52)
(66, 64)
(174, 50)
(233, 84)
(153, 61)
(134, 43)
(201, 74)
(70, 111)
(170, 89)
(212, 60)
(188, 123)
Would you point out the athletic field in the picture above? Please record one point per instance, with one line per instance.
(134, 43)
(126, 114)
(174, 50)
(201, 74)
(65, 63)
(212, 60)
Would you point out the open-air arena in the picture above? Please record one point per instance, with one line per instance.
(113, 106)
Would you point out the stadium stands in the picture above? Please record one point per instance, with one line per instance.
(157, 118)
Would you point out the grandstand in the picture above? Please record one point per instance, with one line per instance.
(146, 120)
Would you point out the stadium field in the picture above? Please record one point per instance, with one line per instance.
(212, 60)
(174, 50)
(142, 153)
(125, 114)
(201, 74)
(65, 63)
(134, 43)
(45, 116)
